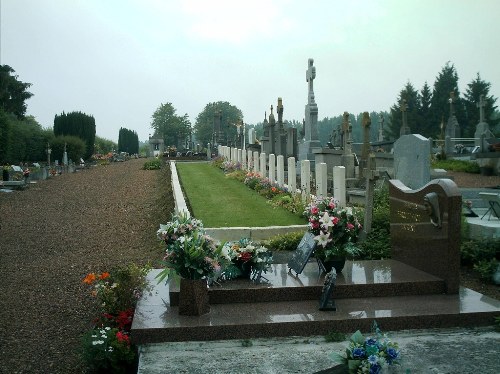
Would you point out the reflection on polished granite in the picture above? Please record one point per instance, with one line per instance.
(357, 279)
(156, 320)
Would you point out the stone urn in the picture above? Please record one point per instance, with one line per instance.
(193, 297)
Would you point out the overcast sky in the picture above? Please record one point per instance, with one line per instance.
(118, 60)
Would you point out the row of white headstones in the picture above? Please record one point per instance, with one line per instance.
(273, 168)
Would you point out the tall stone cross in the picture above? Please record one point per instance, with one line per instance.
(481, 105)
(451, 100)
(405, 129)
(366, 135)
(381, 128)
(310, 75)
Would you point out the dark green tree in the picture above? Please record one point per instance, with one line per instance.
(173, 128)
(408, 93)
(446, 82)
(475, 89)
(428, 128)
(128, 141)
(5, 134)
(77, 124)
(75, 147)
(204, 126)
(13, 93)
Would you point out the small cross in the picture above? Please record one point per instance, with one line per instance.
(404, 106)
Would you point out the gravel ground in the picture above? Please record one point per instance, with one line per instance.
(51, 236)
(58, 230)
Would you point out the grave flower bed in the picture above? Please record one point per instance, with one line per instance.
(107, 347)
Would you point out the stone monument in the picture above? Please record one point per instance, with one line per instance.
(482, 128)
(412, 160)
(405, 129)
(347, 156)
(381, 128)
(311, 141)
(452, 127)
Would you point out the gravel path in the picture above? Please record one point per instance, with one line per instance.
(55, 232)
(51, 236)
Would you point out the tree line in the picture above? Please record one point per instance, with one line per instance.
(22, 138)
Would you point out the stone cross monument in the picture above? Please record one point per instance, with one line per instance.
(381, 128)
(311, 141)
(482, 128)
(347, 158)
(365, 151)
(405, 129)
(453, 127)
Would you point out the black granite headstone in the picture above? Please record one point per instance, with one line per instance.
(302, 253)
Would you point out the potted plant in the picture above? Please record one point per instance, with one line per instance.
(195, 257)
(336, 232)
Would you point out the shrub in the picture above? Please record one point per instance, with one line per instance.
(475, 251)
(486, 269)
(376, 246)
(285, 242)
(292, 203)
(335, 336)
(152, 164)
(457, 165)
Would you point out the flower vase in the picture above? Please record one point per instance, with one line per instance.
(193, 297)
(245, 269)
(336, 263)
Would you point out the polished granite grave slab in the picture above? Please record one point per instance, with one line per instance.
(357, 279)
(156, 320)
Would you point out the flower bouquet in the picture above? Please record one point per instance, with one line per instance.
(336, 229)
(248, 259)
(368, 355)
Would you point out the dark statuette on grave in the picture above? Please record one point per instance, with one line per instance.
(326, 302)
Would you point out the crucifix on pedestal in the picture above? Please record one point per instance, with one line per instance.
(481, 105)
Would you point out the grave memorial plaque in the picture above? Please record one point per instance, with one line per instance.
(302, 253)
(325, 302)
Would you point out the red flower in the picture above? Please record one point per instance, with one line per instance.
(245, 256)
(89, 278)
(122, 337)
(104, 275)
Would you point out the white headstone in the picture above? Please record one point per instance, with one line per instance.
(321, 179)
(305, 179)
(339, 188)
(243, 160)
(412, 160)
(262, 167)
(280, 160)
(256, 162)
(292, 176)
(272, 168)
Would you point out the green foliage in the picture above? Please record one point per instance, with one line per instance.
(376, 246)
(173, 128)
(292, 203)
(128, 141)
(457, 165)
(285, 242)
(335, 336)
(13, 93)
(412, 98)
(155, 164)
(475, 89)
(77, 124)
(204, 125)
(103, 146)
(5, 134)
(238, 175)
(75, 147)
(486, 269)
(474, 251)
(106, 349)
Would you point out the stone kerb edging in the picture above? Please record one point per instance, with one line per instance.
(180, 202)
(230, 233)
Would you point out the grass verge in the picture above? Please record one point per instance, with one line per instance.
(223, 202)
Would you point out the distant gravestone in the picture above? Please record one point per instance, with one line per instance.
(303, 252)
(251, 136)
(412, 160)
(16, 168)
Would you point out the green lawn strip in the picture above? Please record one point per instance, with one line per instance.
(222, 202)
